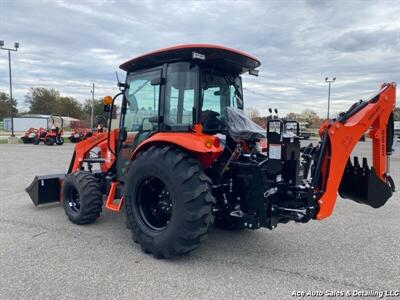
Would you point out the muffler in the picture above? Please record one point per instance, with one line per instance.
(45, 189)
(362, 185)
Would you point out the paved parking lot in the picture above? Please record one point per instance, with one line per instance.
(44, 256)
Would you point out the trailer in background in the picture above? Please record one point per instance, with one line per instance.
(34, 121)
(24, 123)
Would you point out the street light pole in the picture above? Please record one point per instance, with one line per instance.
(92, 108)
(16, 46)
(329, 81)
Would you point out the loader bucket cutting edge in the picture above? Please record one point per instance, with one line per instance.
(45, 189)
(362, 185)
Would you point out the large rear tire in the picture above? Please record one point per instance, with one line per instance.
(168, 201)
(59, 140)
(83, 199)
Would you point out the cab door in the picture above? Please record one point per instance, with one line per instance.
(142, 99)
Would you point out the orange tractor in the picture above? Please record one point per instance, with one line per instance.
(185, 156)
(54, 134)
(82, 133)
(32, 134)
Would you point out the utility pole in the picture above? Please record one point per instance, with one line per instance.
(16, 46)
(92, 108)
(329, 81)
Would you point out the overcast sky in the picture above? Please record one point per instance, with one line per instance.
(66, 45)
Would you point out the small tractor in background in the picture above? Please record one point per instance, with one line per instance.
(32, 134)
(185, 156)
(82, 133)
(54, 134)
(79, 134)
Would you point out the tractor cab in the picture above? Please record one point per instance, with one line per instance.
(172, 89)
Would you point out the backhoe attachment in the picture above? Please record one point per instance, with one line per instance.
(334, 170)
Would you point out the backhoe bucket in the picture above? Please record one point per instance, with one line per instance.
(361, 184)
(45, 189)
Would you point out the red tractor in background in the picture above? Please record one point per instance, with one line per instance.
(32, 134)
(79, 134)
(82, 133)
(54, 134)
(185, 156)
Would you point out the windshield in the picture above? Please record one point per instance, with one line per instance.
(217, 92)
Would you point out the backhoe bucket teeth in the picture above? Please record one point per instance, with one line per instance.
(45, 189)
(362, 185)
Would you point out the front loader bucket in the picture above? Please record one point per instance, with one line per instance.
(361, 184)
(45, 189)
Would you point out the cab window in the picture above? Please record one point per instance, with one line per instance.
(180, 96)
(142, 101)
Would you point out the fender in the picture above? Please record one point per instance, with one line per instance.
(205, 147)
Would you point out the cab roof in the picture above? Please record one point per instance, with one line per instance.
(221, 57)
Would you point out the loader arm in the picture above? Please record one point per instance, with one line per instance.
(100, 140)
(339, 139)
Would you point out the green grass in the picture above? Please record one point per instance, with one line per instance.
(5, 141)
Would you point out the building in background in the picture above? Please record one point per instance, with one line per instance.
(34, 120)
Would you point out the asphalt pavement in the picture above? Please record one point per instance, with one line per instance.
(44, 256)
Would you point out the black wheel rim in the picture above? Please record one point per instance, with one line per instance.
(154, 204)
(73, 201)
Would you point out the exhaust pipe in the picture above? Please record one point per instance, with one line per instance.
(45, 189)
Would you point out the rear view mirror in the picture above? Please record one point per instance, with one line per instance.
(155, 119)
(157, 81)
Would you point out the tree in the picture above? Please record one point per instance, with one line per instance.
(98, 109)
(306, 115)
(42, 101)
(68, 106)
(5, 106)
(50, 102)
(254, 115)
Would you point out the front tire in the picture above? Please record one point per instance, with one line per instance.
(83, 198)
(49, 141)
(168, 201)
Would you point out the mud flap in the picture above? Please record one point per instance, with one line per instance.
(45, 189)
(362, 185)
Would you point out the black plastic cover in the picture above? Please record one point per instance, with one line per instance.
(241, 127)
